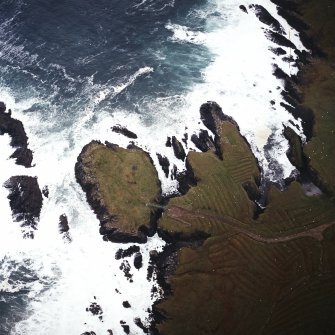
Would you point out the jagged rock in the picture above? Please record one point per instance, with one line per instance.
(19, 140)
(25, 199)
(138, 322)
(243, 8)
(295, 154)
(125, 267)
(265, 17)
(168, 142)
(126, 329)
(178, 149)
(279, 39)
(126, 304)
(121, 253)
(164, 163)
(45, 191)
(278, 51)
(63, 224)
(138, 261)
(124, 131)
(203, 142)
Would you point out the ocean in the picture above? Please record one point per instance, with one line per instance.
(70, 70)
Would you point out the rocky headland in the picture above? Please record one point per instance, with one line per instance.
(229, 267)
(19, 140)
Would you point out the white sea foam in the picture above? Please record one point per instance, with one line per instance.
(240, 78)
(68, 275)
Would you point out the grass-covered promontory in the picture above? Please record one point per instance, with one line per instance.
(119, 183)
(274, 274)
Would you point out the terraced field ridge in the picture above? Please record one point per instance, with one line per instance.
(274, 274)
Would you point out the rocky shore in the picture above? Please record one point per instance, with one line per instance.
(19, 140)
(25, 199)
(229, 266)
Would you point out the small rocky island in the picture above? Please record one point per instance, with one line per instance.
(122, 186)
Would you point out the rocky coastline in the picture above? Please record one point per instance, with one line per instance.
(19, 140)
(212, 242)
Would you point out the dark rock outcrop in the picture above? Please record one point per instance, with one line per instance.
(124, 131)
(203, 141)
(138, 261)
(122, 253)
(279, 39)
(138, 322)
(26, 201)
(45, 191)
(178, 149)
(64, 228)
(19, 140)
(126, 304)
(243, 8)
(164, 163)
(265, 17)
(63, 224)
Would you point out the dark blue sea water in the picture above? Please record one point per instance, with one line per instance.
(55, 49)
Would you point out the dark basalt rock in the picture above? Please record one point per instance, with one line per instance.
(265, 17)
(168, 142)
(124, 131)
(126, 304)
(122, 253)
(243, 8)
(178, 149)
(278, 51)
(89, 333)
(164, 163)
(63, 224)
(185, 139)
(211, 115)
(64, 228)
(125, 267)
(26, 201)
(279, 39)
(95, 309)
(138, 261)
(45, 191)
(19, 140)
(126, 329)
(203, 142)
(23, 156)
(138, 322)
(110, 332)
(306, 115)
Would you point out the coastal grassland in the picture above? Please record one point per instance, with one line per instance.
(318, 88)
(124, 180)
(270, 275)
(236, 285)
(219, 194)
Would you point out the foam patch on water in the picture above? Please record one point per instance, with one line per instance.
(67, 276)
